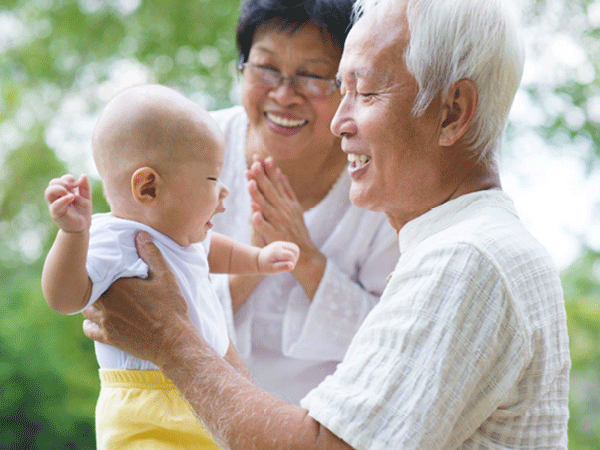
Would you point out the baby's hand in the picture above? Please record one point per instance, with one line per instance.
(72, 211)
(278, 256)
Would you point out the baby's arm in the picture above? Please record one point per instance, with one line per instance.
(230, 256)
(65, 281)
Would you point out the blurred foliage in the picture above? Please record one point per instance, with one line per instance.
(61, 60)
(569, 92)
(581, 283)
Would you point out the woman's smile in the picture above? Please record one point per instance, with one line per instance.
(284, 124)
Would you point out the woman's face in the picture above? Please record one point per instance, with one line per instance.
(284, 123)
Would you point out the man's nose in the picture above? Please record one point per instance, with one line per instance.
(342, 123)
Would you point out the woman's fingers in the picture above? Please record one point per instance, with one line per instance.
(273, 174)
(267, 182)
(276, 213)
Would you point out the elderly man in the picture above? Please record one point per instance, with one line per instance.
(467, 348)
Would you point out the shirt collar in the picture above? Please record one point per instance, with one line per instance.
(450, 213)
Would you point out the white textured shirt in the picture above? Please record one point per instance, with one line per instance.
(289, 343)
(467, 348)
(112, 255)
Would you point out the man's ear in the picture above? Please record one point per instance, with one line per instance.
(144, 185)
(460, 104)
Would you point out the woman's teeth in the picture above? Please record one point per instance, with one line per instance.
(285, 122)
(357, 160)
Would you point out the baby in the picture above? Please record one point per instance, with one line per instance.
(159, 156)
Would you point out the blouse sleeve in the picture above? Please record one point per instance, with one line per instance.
(220, 282)
(323, 329)
(341, 303)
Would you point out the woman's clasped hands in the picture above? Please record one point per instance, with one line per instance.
(277, 215)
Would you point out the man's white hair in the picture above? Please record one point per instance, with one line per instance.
(451, 40)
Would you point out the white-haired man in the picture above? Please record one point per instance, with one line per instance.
(467, 348)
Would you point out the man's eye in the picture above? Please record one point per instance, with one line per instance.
(311, 76)
(212, 179)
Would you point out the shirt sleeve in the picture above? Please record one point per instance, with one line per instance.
(431, 362)
(111, 256)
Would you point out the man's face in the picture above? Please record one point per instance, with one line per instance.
(394, 156)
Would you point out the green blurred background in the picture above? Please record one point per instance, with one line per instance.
(61, 60)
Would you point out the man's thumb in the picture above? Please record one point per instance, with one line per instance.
(149, 253)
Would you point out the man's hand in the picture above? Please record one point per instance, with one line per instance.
(143, 317)
(149, 319)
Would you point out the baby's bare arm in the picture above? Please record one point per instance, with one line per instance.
(65, 282)
(227, 255)
(230, 256)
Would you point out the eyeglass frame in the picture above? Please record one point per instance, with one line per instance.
(335, 83)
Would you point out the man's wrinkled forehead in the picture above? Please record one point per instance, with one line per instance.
(379, 11)
(374, 48)
(379, 75)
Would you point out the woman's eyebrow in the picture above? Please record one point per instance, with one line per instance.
(310, 60)
(263, 49)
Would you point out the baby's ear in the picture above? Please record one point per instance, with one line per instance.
(144, 185)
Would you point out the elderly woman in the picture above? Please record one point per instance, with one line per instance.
(292, 330)
(468, 347)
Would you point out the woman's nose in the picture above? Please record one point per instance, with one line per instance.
(285, 93)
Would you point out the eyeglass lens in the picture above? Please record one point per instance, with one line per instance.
(305, 85)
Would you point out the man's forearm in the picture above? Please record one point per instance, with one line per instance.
(238, 413)
(234, 360)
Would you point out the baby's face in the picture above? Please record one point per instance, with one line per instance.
(195, 194)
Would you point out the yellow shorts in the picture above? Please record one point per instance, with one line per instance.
(143, 410)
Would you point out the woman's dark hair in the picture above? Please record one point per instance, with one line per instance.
(332, 17)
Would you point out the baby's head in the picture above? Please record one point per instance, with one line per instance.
(160, 155)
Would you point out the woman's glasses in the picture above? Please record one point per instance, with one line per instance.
(305, 85)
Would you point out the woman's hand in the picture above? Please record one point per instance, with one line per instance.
(277, 215)
(147, 318)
